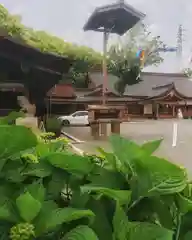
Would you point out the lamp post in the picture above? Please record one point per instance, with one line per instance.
(116, 18)
(104, 64)
(105, 73)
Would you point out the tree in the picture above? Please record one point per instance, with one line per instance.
(187, 72)
(10, 25)
(85, 57)
(123, 62)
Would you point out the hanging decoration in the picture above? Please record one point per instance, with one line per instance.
(141, 55)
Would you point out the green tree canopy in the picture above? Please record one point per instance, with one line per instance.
(12, 26)
(122, 55)
(187, 72)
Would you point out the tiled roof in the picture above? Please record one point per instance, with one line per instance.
(153, 84)
(97, 78)
(80, 92)
(148, 87)
(62, 90)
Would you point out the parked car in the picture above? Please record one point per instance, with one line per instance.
(76, 118)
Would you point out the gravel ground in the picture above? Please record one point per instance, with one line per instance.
(146, 131)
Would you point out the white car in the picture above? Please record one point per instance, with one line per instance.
(76, 118)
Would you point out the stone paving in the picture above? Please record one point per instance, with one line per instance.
(146, 131)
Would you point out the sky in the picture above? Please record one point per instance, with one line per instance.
(66, 19)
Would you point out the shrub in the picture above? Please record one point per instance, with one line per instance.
(11, 118)
(49, 193)
(53, 125)
(35, 197)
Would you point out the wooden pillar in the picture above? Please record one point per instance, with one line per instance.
(157, 110)
(173, 109)
(103, 129)
(95, 130)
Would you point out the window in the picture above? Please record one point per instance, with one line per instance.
(165, 109)
(135, 109)
(80, 114)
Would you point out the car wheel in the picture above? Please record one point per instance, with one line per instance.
(65, 123)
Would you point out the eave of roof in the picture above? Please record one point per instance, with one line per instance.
(93, 100)
(153, 84)
(62, 90)
(170, 91)
(42, 60)
(99, 91)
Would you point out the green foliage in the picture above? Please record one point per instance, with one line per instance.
(12, 25)
(53, 125)
(81, 233)
(49, 193)
(29, 205)
(22, 231)
(25, 202)
(11, 118)
(18, 135)
(187, 72)
(123, 62)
